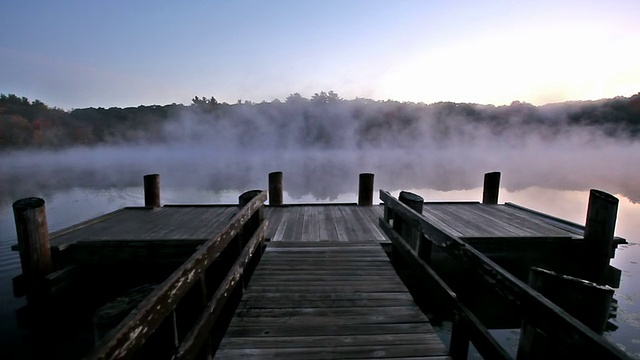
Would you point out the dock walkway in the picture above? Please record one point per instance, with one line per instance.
(322, 300)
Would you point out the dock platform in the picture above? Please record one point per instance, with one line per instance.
(313, 281)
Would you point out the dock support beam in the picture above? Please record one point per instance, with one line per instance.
(365, 189)
(413, 236)
(275, 188)
(152, 190)
(598, 233)
(586, 301)
(33, 240)
(491, 188)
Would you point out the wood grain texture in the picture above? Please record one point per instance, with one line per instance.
(320, 223)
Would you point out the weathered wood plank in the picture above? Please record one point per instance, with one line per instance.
(262, 342)
(338, 220)
(328, 352)
(326, 288)
(273, 330)
(285, 303)
(282, 225)
(275, 215)
(370, 220)
(296, 296)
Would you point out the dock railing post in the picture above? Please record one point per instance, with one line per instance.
(414, 236)
(365, 189)
(152, 190)
(252, 224)
(275, 188)
(598, 233)
(33, 242)
(249, 229)
(491, 188)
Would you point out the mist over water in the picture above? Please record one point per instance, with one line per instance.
(325, 174)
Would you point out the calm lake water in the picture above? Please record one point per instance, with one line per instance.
(84, 183)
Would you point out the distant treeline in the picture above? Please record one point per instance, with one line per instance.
(323, 121)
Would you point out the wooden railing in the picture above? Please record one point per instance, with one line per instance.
(413, 235)
(177, 319)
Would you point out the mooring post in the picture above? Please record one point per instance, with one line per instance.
(491, 188)
(365, 189)
(33, 242)
(275, 188)
(598, 233)
(152, 190)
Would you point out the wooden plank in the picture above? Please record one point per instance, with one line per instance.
(262, 342)
(299, 224)
(349, 224)
(370, 220)
(323, 229)
(307, 225)
(317, 222)
(339, 224)
(326, 277)
(285, 303)
(528, 222)
(557, 226)
(319, 244)
(274, 214)
(283, 224)
(328, 288)
(369, 295)
(486, 222)
(465, 224)
(273, 330)
(328, 352)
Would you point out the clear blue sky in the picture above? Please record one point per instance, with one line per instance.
(74, 54)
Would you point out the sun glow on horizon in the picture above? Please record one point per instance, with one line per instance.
(539, 66)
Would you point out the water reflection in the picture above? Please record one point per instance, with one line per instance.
(322, 174)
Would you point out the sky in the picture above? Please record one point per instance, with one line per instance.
(76, 54)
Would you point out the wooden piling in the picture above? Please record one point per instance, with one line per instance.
(152, 190)
(365, 189)
(491, 188)
(275, 188)
(33, 242)
(598, 233)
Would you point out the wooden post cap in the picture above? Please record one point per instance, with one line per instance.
(247, 196)
(28, 203)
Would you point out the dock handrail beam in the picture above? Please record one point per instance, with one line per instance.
(246, 227)
(536, 309)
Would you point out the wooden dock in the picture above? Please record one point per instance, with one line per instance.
(328, 300)
(311, 281)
